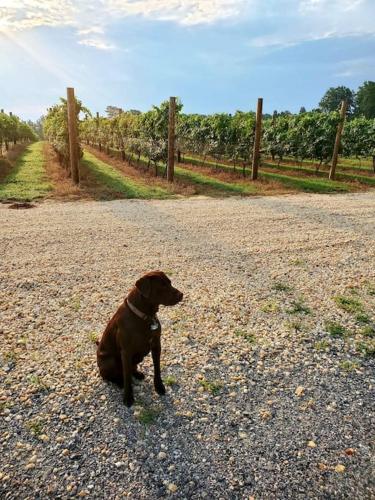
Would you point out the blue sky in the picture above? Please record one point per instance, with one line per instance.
(216, 55)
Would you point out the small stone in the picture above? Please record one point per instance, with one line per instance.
(350, 451)
(119, 464)
(162, 455)
(30, 465)
(299, 391)
(311, 444)
(242, 435)
(172, 487)
(339, 468)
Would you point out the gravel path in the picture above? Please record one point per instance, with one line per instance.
(263, 401)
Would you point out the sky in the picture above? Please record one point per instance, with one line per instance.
(215, 55)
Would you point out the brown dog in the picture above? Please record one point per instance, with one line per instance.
(134, 331)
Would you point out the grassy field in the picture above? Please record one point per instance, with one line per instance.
(125, 187)
(306, 184)
(33, 176)
(27, 179)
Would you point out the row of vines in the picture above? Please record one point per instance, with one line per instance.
(13, 130)
(144, 136)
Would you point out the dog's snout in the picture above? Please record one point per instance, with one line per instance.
(180, 296)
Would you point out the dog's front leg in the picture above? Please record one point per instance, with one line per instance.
(127, 372)
(158, 383)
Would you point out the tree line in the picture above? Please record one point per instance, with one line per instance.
(13, 130)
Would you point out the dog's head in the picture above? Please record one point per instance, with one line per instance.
(157, 288)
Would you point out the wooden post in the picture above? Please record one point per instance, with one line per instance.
(258, 133)
(73, 138)
(344, 106)
(97, 128)
(2, 111)
(171, 138)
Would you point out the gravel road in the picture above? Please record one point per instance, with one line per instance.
(268, 361)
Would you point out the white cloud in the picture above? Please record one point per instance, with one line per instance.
(283, 22)
(97, 43)
(311, 20)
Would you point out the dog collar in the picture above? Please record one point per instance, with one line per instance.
(152, 319)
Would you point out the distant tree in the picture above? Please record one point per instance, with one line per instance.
(302, 110)
(332, 99)
(37, 126)
(112, 111)
(134, 112)
(366, 99)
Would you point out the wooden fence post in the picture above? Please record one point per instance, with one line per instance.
(344, 106)
(258, 134)
(73, 137)
(97, 128)
(171, 138)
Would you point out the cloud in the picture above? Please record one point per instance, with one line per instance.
(97, 43)
(283, 23)
(311, 20)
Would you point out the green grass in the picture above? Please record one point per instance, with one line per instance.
(362, 318)
(27, 180)
(210, 182)
(335, 329)
(148, 416)
(348, 304)
(299, 307)
(322, 345)
(367, 348)
(270, 307)
(279, 286)
(93, 337)
(339, 175)
(301, 184)
(125, 186)
(348, 366)
(249, 337)
(170, 380)
(214, 387)
(368, 331)
(187, 176)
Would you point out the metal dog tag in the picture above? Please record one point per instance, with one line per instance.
(154, 325)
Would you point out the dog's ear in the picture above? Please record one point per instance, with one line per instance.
(144, 286)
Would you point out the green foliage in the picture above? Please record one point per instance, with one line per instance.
(335, 329)
(249, 337)
(281, 287)
(299, 307)
(331, 101)
(12, 129)
(366, 99)
(55, 128)
(214, 387)
(27, 180)
(147, 416)
(348, 366)
(348, 304)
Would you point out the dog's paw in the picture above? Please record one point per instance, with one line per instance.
(138, 375)
(128, 400)
(159, 388)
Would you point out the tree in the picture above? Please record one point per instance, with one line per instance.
(331, 100)
(302, 110)
(113, 111)
(366, 99)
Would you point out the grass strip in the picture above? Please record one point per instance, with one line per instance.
(27, 180)
(119, 183)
